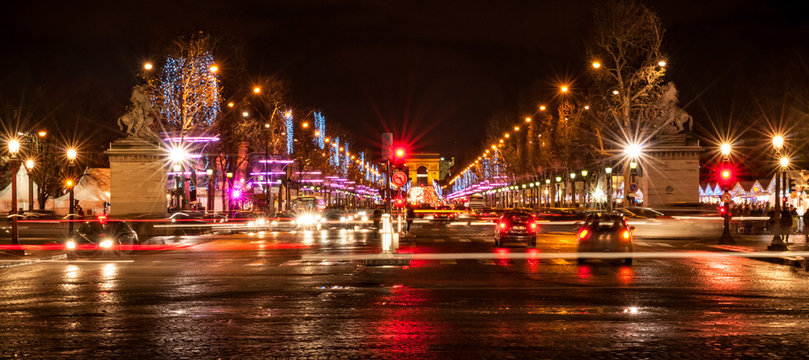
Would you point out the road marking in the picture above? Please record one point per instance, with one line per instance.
(290, 263)
(486, 261)
(489, 240)
(464, 240)
(560, 261)
(666, 245)
(439, 240)
(448, 262)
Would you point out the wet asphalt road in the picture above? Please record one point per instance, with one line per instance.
(227, 298)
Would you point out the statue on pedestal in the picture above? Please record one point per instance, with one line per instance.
(669, 118)
(141, 115)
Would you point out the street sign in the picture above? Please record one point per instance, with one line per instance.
(399, 178)
(726, 197)
(633, 188)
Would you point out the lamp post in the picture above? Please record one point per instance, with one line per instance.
(558, 190)
(633, 170)
(608, 172)
(71, 158)
(547, 193)
(777, 243)
(586, 187)
(726, 178)
(572, 188)
(13, 149)
(211, 190)
(29, 166)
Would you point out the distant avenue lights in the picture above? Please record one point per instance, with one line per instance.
(527, 119)
(661, 63)
(516, 128)
(564, 89)
(256, 90)
(245, 114)
(288, 114)
(542, 108)
(615, 92)
(214, 68)
(596, 64)
(266, 125)
(305, 125)
(147, 66)
(42, 133)
(586, 107)
(230, 104)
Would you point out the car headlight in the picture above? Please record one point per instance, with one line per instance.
(323, 220)
(250, 224)
(274, 223)
(70, 245)
(105, 244)
(260, 221)
(306, 219)
(342, 218)
(364, 218)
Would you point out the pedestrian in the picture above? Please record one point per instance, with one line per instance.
(786, 223)
(799, 211)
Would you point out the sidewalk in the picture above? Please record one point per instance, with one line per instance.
(759, 243)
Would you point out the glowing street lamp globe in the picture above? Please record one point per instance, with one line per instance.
(784, 161)
(71, 154)
(725, 149)
(13, 146)
(778, 142)
(633, 150)
(29, 164)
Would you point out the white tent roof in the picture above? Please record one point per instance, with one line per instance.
(22, 190)
(94, 185)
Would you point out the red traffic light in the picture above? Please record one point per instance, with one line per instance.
(400, 153)
(726, 174)
(722, 210)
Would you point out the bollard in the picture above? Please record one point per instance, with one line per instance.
(387, 234)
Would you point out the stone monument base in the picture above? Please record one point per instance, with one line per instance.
(671, 171)
(138, 176)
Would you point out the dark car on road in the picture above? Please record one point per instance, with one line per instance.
(516, 226)
(605, 233)
(101, 237)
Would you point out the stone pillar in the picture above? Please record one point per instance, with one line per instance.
(138, 176)
(671, 172)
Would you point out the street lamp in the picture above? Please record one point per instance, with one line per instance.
(725, 149)
(586, 189)
(596, 64)
(13, 149)
(29, 166)
(71, 157)
(608, 171)
(777, 243)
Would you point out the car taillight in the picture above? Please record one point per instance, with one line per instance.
(503, 226)
(625, 235)
(583, 234)
(533, 226)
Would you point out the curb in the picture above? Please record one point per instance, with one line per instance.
(795, 262)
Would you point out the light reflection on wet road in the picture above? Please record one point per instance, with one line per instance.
(217, 301)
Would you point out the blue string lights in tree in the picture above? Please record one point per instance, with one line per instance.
(346, 161)
(188, 91)
(320, 126)
(335, 160)
(290, 129)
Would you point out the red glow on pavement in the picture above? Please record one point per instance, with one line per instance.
(153, 247)
(626, 275)
(584, 272)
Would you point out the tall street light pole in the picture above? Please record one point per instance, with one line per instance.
(13, 149)
(608, 172)
(71, 158)
(777, 243)
(29, 166)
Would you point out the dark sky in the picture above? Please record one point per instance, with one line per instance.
(434, 71)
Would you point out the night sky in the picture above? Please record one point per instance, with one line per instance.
(432, 71)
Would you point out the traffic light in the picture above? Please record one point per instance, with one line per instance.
(723, 210)
(725, 176)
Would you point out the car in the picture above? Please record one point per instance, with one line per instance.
(605, 233)
(101, 237)
(516, 226)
